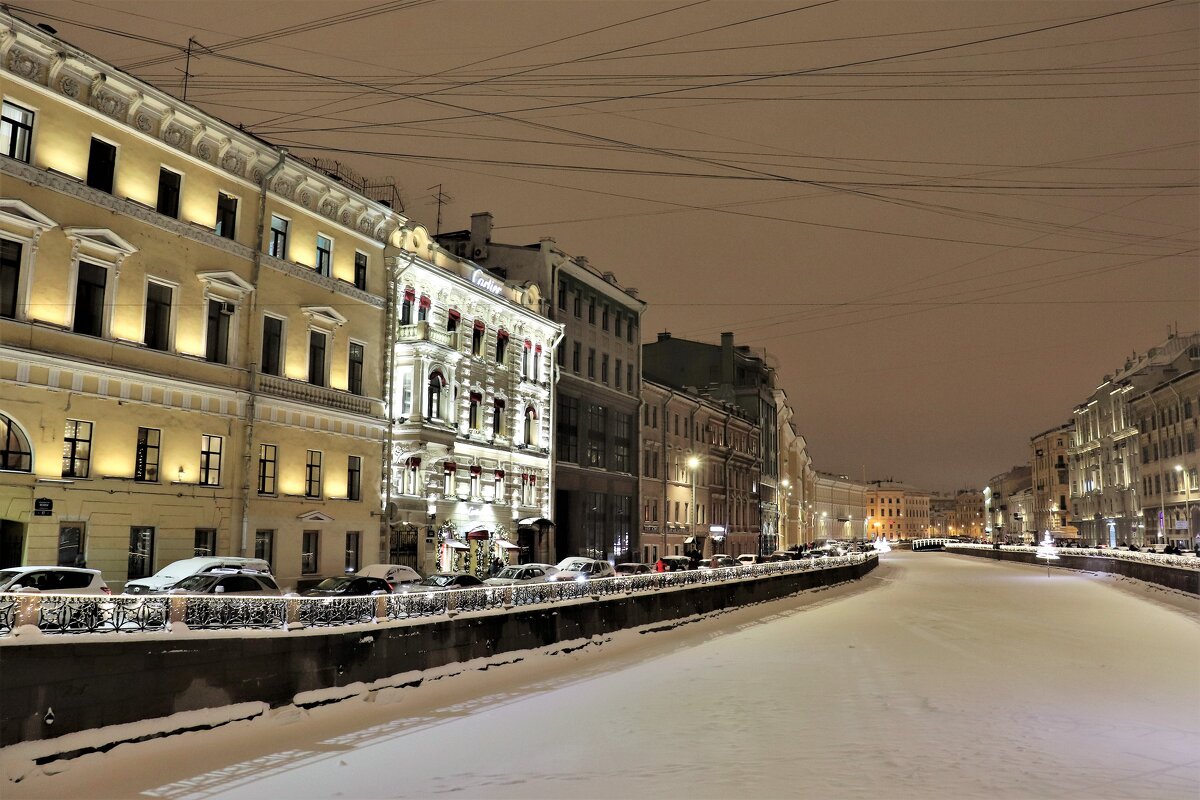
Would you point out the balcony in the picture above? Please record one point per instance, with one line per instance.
(423, 332)
(316, 395)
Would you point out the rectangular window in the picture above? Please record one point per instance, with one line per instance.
(604, 368)
(279, 235)
(90, 286)
(477, 339)
(562, 296)
(354, 377)
(141, 552)
(210, 460)
(10, 277)
(158, 316)
(316, 358)
(597, 426)
(360, 270)
(205, 543)
(353, 539)
(226, 215)
(267, 456)
(16, 131)
(622, 441)
(591, 373)
(501, 346)
(629, 378)
(578, 306)
(452, 318)
(592, 310)
(568, 429)
(102, 165)
(77, 449)
(312, 474)
(498, 418)
(71, 551)
(216, 343)
(324, 265)
(272, 346)
(264, 546)
(604, 318)
(575, 353)
(629, 329)
(145, 461)
(617, 324)
(169, 182)
(308, 552)
(354, 478)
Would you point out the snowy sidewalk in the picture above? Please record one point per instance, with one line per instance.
(936, 676)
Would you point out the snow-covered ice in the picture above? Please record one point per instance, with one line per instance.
(936, 676)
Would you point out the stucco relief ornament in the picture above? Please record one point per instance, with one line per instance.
(232, 163)
(257, 175)
(306, 199)
(110, 106)
(328, 208)
(204, 151)
(173, 136)
(364, 225)
(22, 64)
(346, 218)
(283, 188)
(143, 123)
(69, 86)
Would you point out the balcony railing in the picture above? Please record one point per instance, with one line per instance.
(316, 395)
(424, 332)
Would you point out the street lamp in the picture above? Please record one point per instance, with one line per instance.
(1187, 497)
(693, 462)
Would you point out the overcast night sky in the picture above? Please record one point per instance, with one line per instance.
(946, 220)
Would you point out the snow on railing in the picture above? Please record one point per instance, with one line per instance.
(73, 613)
(1143, 556)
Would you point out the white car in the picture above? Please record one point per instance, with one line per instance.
(578, 568)
(176, 571)
(56, 580)
(396, 574)
(521, 573)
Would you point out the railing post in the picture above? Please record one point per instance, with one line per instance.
(29, 610)
(178, 611)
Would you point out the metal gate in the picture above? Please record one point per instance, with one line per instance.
(402, 546)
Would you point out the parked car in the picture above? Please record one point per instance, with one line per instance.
(720, 561)
(176, 571)
(676, 563)
(633, 569)
(228, 583)
(395, 574)
(522, 573)
(59, 580)
(780, 555)
(578, 568)
(441, 582)
(750, 558)
(349, 586)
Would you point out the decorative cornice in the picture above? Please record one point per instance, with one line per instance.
(332, 284)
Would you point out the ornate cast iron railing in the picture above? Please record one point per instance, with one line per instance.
(56, 614)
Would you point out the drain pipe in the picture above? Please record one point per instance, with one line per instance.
(252, 398)
(389, 382)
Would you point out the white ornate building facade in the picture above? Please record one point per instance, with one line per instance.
(470, 479)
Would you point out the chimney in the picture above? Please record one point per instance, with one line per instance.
(481, 234)
(632, 292)
(727, 358)
(664, 336)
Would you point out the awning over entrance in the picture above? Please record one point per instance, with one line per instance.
(690, 540)
(478, 533)
(534, 522)
(454, 544)
(507, 545)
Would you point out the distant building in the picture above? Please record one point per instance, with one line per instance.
(941, 514)
(1051, 484)
(969, 513)
(595, 418)
(897, 511)
(1007, 506)
(731, 374)
(700, 468)
(1103, 457)
(839, 509)
(1168, 466)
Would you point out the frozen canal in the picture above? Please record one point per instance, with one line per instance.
(937, 676)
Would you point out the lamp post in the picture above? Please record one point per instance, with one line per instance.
(693, 462)
(1187, 497)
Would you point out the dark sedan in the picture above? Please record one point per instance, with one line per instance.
(349, 586)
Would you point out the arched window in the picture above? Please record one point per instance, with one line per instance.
(15, 454)
(433, 406)
(406, 307)
(530, 425)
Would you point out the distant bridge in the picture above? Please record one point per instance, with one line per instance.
(932, 544)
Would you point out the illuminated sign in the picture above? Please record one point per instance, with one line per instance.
(486, 282)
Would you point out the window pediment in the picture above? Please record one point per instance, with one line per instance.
(315, 516)
(225, 282)
(99, 243)
(325, 316)
(24, 217)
